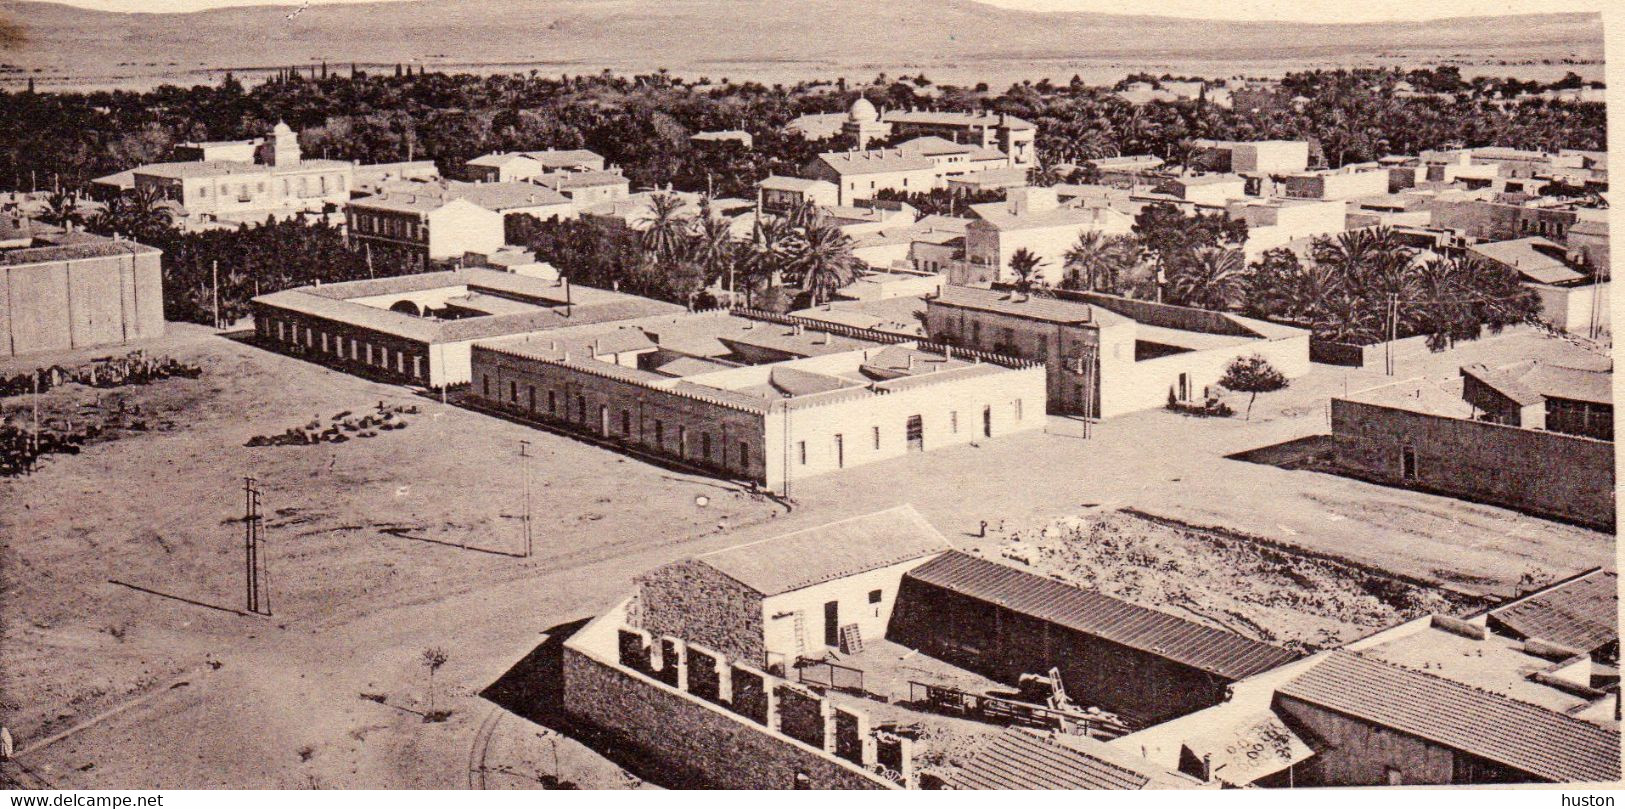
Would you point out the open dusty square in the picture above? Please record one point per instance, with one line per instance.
(123, 634)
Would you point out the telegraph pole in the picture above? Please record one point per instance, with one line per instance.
(251, 546)
(524, 465)
(214, 273)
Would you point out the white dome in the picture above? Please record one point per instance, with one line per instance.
(862, 110)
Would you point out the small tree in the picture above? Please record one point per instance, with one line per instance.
(433, 658)
(1025, 265)
(1252, 375)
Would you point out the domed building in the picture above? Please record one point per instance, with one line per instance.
(863, 124)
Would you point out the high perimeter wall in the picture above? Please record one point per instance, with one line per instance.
(63, 304)
(695, 719)
(1550, 474)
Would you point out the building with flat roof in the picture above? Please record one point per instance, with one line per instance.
(767, 399)
(1255, 157)
(723, 136)
(502, 167)
(1108, 355)
(585, 188)
(1008, 134)
(775, 601)
(418, 329)
(61, 291)
(436, 221)
(1031, 219)
(781, 194)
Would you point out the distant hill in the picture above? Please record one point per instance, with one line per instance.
(714, 34)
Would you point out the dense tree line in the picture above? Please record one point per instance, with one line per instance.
(1359, 287)
(642, 123)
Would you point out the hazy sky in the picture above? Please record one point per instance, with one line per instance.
(1297, 10)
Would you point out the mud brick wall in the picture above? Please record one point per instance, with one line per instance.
(1550, 474)
(682, 741)
(692, 601)
(848, 741)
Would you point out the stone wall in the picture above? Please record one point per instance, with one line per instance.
(685, 741)
(1544, 473)
(692, 600)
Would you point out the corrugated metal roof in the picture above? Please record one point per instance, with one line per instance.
(1224, 654)
(1022, 759)
(828, 552)
(1582, 614)
(1543, 743)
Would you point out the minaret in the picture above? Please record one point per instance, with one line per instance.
(863, 124)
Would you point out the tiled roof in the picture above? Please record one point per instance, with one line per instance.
(1532, 381)
(1582, 613)
(490, 196)
(497, 159)
(581, 179)
(1543, 743)
(828, 552)
(1221, 653)
(1036, 307)
(778, 183)
(1023, 759)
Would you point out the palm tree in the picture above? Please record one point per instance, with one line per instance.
(1025, 264)
(1210, 277)
(713, 247)
(664, 226)
(823, 261)
(1097, 262)
(62, 208)
(767, 253)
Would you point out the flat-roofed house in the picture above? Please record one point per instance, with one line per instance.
(774, 601)
(63, 291)
(1108, 355)
(1573, 296)
(585, 188)
(1008, 134)
(428, 222)
(780, 194)
(502, 167)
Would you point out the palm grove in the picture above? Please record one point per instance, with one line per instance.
(642, 124)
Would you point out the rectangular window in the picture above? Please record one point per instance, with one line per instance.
(875, 433)
(532, 392)
(744, 455)
(705, 446)
(874, 596)
(485, 384)
(626, 422)
(552, 403)
(953, 422)
(513, 392)
(1018, 410)
(660, 432)
(801, 450)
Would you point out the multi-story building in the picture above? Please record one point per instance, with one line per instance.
(438, 221)
(1008, 134)
(1029, 219)
(503, 167)
(281, 183)
(1252, 157)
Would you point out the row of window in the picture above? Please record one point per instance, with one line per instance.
(913, 434)
(392, 226)
(303, 185)
(560, 407)
(334, 345)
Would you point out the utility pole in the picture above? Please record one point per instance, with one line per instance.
(214, 273)
(251, 546)
(524, 466)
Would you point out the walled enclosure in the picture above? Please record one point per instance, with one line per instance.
(77, 296)
(660, 720)
(1550, 474)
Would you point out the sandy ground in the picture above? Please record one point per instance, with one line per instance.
(277, 702)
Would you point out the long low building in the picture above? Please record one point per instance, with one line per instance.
(769, 401)
(418, 328)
